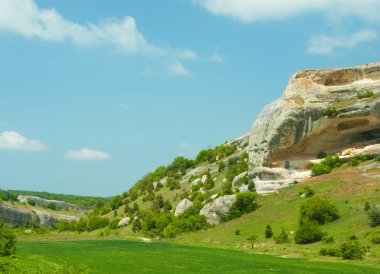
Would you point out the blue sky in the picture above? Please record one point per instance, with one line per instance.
(94, 94)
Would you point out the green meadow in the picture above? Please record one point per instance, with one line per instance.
(138, 257)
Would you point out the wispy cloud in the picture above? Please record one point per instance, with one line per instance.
(25, 18)
(178, 69)
(266, 10)
(11, 140)
(86, 154)
(325, 45)
(215, 57)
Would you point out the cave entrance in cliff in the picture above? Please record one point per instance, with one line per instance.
(331, 137)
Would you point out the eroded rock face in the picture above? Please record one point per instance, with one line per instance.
(15, 217)
(291, 131)
(221, 206)
(60, 205)
(48, 218)
(183, 206)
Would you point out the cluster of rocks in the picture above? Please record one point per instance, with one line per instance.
(60, 205)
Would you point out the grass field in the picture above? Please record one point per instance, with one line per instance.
(137, 257)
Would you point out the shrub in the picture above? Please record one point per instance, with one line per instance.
(328, 239)
(252, 239)
(96, 222)
(282, 238)
(333, 252)
(321, 155)
(353, 162)
(306, 191)
(237, 232)
(365, 94)
(319, 169)
(244, 203)
(268, 231)
(376, 240)
(31, 202)
(173, 184)
(52, 206)
(367, 206)
(251, 186)
(374, 216)
(136, 225)
(308, 233)
(209, 184)
(331, 112)
(114, 224)
(7, 241)
(352, 250)
(318, 210)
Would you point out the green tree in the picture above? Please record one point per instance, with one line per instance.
(282, 238)
(318, 210)
(308, 233)
(268, 231)
(136, 225)
(252, 239)
(7, 241)
(374, 216)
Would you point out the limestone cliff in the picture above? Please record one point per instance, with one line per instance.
(321, 110)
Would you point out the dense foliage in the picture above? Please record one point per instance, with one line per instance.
(7, 241)
(244, 203)
(326, 165)
(318, 210)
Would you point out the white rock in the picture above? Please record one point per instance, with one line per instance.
(204, 179)
(124, 221)
(213, 197)
(183, 206)
(221, 206)
(238, 177)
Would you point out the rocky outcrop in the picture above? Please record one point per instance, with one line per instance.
(48, 218)
(15, 217)
(183, 206)
(125, 221)
(238, 177)
(221, 206)
(60, 205)
(321, 110)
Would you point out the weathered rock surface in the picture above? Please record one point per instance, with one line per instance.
(221, 206)
(124, 221)
(292, 130)
(238, 177)
(183, 206)
(48, 218)
(15, 217)
(60, 205)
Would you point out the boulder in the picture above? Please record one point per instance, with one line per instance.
(183, 206)
(327, 110)
(125, 221)
(238, 177)
(221, 206)
(204, 179)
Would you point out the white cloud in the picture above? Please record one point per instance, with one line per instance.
(85, 154)
(215, 57)
(325, 45)
(267, 10)
(11, 140)
(25, 18)
(178, 69)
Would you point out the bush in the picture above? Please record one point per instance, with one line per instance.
(319, 169)
(367, 206)
(321, 155)
(244, 203)
(331, 112)
(31, 202)
(96, 222)
(237, 232)
(282, 238)
(7, 241)
(365, 94)
(333, 252)
(374, 216)
(375, 240)
(328, 239)
(52, 206)
(308, 233)
(352, 250)
(353, 162)
(306, 191)
(251, 186)
(114, 224)
(136, 225)
(209, 184)
(318, 210)
(173, 184)
(268, 231)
